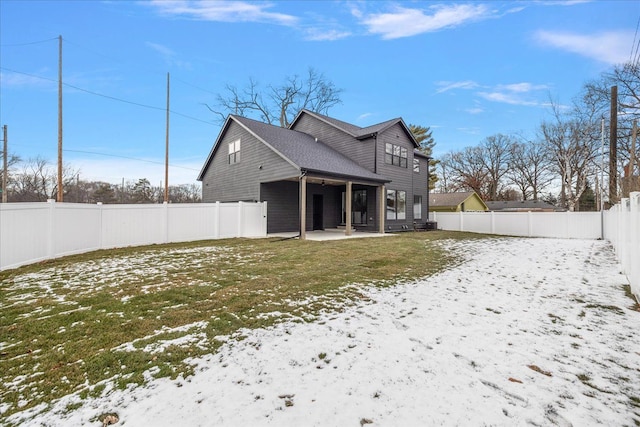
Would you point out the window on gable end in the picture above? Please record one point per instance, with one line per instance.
(234, 152)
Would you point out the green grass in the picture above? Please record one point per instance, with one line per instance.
(75, 324)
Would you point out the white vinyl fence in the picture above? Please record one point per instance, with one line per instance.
(622, 229)
(567, 225)
(620, 225)
(32, 232)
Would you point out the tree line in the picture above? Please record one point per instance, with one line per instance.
(35, 180)
(564, 163)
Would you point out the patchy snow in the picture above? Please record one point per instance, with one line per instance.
(523, 332)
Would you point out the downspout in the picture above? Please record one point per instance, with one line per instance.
(375, 153)
(302, 208)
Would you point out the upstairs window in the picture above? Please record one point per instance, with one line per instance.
(395, 155)
(234, 152)
(416, 165)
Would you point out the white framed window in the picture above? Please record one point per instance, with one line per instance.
(417, 207)
(234, 152)
(395, 155)
(396, 204)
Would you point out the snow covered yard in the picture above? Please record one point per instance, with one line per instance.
(522, 332)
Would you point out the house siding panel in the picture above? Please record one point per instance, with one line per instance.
(421, 187)
(241, 181)
(282, 206)
(402, 178)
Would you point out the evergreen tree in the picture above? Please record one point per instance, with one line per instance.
(424, 137)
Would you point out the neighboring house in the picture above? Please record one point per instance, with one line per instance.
(522, 206)
(319, 168)
(456, 202)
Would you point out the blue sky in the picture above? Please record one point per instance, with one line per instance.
(468, 70)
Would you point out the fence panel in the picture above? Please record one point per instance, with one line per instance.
(570, 225)
(622, 229)
(31, 232)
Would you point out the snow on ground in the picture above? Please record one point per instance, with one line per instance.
(524, 332)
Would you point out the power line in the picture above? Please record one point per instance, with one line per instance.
(28, 43)
(128, 158)
(113, 98)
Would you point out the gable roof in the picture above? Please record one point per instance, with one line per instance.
(301, 150)
(449, 199)
(357, 131)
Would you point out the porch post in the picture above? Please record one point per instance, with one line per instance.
(303, 208)
(347, 231)
(382, 208)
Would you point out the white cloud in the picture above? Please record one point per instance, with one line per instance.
(446, 86)
(406, 22)
(506, 98)
(521, 87)
(169, 55)
(319, 34)
(224, 11)
(610, 47)
(475, 110)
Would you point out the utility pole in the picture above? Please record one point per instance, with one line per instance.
(166, 156)
(613, 147)
(60, 119)
(5, 172)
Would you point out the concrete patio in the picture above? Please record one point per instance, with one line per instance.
(329, 234)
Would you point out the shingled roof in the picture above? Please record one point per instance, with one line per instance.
(301, 150)
(357, 131)
(448, 199)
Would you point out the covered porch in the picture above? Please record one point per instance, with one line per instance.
(317, 202)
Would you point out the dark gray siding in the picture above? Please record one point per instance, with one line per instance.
(241, 181)
(331, 204)
(282, 205)
(421, 187)
(402, 178)
(361, 152)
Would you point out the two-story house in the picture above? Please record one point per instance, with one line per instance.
(319, 169)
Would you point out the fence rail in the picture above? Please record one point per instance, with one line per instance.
(32, 232)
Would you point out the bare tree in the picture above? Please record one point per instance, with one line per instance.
(279, 103)
(495, 158)
(530, 168)
(573, 148)
(467, 171)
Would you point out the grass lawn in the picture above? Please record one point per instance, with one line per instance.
(84, 323)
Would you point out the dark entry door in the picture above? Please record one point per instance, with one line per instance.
(318, 208)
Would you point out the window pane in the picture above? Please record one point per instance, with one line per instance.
(396, 150)
(391, 204)
(388, 159)
(401, 205)
(417, 207)
(403, 152)
(403, 162)
(388, 148)
(416, 165)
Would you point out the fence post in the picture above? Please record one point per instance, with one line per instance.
(493, 222)
(101, 226)
(461, 227)
(165, 221)
(529, 224)
(634, 239)
(51, 247)
(216, 222)
(240, 219)
(264, 218)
